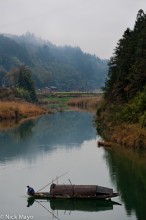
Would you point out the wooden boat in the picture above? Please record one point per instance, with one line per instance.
(63, 191)
(104, 144)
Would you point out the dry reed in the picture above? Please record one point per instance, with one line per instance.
(85, 101)
(12, 109)
(129, 135)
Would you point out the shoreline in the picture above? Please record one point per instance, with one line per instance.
(19, 109)
(129, 135)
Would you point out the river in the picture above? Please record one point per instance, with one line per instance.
(37, 151)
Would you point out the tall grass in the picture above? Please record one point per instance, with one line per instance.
(130, 135)
(85, 102)
(18, 109)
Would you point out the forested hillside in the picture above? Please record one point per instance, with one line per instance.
(127, 68)
(124, 109)
(65, 68)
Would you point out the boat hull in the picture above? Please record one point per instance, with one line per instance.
(46, 195)
(63, 191)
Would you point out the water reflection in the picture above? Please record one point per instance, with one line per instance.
(37, 151)
(87, 205)
(128, 172)
(45, 133)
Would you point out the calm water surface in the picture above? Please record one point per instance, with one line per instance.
(38, 151)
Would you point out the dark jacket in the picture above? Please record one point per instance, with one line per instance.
(30, 191)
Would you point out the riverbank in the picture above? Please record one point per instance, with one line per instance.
(18, 109)
(114, 131)
(130, 135)
(86, 102)
(126, 135)
(60, 101)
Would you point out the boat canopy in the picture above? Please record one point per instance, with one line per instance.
(78, 190)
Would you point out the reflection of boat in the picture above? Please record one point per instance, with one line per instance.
(63, 191)
(88, 205)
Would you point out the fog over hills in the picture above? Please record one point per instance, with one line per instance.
(64, 67)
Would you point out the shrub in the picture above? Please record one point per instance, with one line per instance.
(24, 94)
(134, 111)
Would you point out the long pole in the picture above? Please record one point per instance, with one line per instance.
(52, 181)
(47, 209)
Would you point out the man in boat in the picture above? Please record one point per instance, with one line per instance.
(30, 191)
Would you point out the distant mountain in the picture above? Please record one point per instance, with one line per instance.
(66, 68)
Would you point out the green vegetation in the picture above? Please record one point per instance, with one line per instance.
(61, 101)
(124, 104)
(20, 80)
(20, 88)
(56, 101)
(135, 110)
(127, 68)
(25, 84)
(64, 68)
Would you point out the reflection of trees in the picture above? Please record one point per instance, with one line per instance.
(15, 141)
(128, 170)
(24, 130)
(68, 129)
(65, 129)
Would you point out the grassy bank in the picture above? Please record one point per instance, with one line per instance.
(61, 101)
(85, 102)
(130, 135)
(116, 130)
(18, 110)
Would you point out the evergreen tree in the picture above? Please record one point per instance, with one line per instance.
(127, 68)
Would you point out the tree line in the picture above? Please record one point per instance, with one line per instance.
(125, 87)
(127, 67)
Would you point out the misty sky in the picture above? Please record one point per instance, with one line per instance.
(93, 25)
